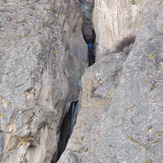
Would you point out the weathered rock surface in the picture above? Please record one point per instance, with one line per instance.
(42, 57)
(114, 20)
(86, 9)
(121, 104)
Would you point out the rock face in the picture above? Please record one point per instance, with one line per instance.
(114, 20)
(121, 101)
(42, 57)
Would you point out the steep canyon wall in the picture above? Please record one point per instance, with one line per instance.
(42, 57)
(121, 101)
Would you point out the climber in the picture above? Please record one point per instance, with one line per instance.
(89, 37)
(91, 57)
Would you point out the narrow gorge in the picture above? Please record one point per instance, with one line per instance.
(81, 81)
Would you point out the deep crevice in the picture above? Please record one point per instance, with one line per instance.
(88, 31)
(89, 37)
(69, 119)
(66, 129)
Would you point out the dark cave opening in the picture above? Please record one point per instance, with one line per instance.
(66, 129)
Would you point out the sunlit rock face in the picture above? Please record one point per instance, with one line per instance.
(115, 19)
(121, 100)
(42, 57)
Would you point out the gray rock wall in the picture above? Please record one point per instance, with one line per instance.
(42, 56)
(121, 104)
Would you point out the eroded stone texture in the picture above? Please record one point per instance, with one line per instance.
(115, 19)
(42, 57)
(121, 105)
(86, 9)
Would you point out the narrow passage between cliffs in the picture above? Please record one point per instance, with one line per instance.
(89, 37)
(69, 119)
(66, 129)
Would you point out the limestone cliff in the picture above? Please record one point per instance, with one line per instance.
(42, 57)
(121, 101)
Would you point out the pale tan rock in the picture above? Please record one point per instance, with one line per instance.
(114, 20)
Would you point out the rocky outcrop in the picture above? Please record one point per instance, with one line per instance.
(114, 20)
(120, 113)
(42, 57)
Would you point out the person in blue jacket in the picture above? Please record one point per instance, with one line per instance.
(91, 57)
(89, 37)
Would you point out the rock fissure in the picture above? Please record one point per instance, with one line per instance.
(86, 7)
(120, 116)
(65, 130)
(50, 61)
(48, 45)
(69, 118)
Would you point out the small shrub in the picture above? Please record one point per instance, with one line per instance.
(125, 42)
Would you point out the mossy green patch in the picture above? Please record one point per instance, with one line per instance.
(150, 56)
(130, 137)
(82, 138)
(55, 51)
(158, 133)
(156, 141)
(113, 118)
(25, 159)
(106, 135)
(153, 86)
(86, 150)
(8, 103)
(1, 115)
(83, 150)
(149, 161)
(79, 151)
(140, 25)
(149, 128)
(20, 36)
(133, 2)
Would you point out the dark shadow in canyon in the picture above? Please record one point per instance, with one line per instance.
(89, 37)
(66, 129)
